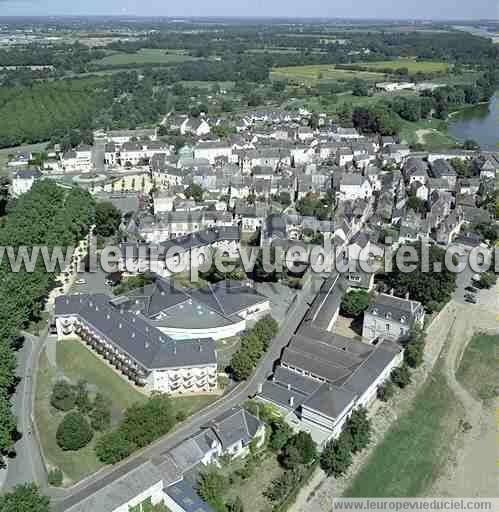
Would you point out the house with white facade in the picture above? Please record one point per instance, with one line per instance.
(392, 317)
(135, 347)
(354, 186)
(23, 180)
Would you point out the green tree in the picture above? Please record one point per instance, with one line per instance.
(487, 280)
(280, 434)
(63, 396)
(107, 219)
(354, 303)
(414, 350)
(113, 447)
(336, 457)
(100, 416)
(241, 365)
(194, 191)
(358, 427)
(360, 87)
(83, 402)
(401, 376)
(73, 432)
(386, 391)
(431, 288)
(55, 477)
(211, 487)
(304, 444)
(24, 498)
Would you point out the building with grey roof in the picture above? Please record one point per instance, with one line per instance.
(392, 317)
(215, 311)
(135, 347)
(322, 377)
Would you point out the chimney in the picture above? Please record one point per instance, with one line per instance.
(392, 292)
(133, 335)
(289, 387)
(407, 296)
(292, 401)
(120, 325)
(260, 388)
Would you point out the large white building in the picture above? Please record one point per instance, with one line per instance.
(135, 347)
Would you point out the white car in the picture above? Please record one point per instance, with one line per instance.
(80, 281)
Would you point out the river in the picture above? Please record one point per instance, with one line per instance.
(479, 123)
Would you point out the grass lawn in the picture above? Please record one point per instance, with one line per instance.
(316, 73)
(145, 56)
(78, 362)
(74, 465)
(432, 133)
(478, 369)
(413, 65)
(415, 449)
(251, 491)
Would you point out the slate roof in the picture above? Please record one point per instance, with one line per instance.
(121, 490)
(398, 308)
(330, 400)
(134, 335)
(235, 425)
(186, 498)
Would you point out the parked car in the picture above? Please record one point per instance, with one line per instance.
(470, 298)
(471, 289)
(80, 281)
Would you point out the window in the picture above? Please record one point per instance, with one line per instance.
(387, 327)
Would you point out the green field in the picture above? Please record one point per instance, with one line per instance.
(145, 56)
(323, 72)
(415, 449)
(478, 369)
(431, 133)
(414, 66)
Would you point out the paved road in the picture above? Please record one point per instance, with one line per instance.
(62, 499)
(27, 466)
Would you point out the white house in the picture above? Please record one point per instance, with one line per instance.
(355, 186)
(23, 181)
(195, 126)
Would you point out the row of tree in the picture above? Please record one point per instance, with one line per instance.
(336, 457)
(254, 344)
(142, 424)
(49, 216)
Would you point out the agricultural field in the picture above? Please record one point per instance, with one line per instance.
(414, 66)
(145, 56)
(314, 74)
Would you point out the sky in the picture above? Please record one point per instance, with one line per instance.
(420, 9)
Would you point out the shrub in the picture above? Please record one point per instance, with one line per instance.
(401, 376)
(386, 391)
(113, 447)
(73, 432)
(55, 477)
(63, 396)
(100, 416)
(336, 457)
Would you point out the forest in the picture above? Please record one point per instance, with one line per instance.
(47, 215)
